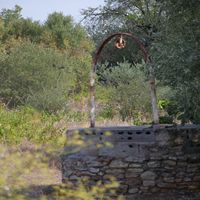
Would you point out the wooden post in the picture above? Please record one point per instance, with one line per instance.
(92, 99)
(153, 94)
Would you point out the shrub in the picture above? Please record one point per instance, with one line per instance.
(26, 123)
(43, 78)
(129, 93)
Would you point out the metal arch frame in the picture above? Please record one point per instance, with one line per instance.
(147, 59)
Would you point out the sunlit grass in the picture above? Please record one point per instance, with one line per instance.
(31, 143)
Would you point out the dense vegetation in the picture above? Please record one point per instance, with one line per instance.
(44, 76)
(42, 65)
(47, 66)
(170, 31)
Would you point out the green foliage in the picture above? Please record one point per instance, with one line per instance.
(84, 192)
(61, 27)
(23, 167)
(187, 102)
(29, 141)
(26, 123)
(141, 18)
(61, 33)
(10, 16)
(106, 112)
(44, 66)
(129, 93)
(17, 27)
(170, 31)
(177, 57)
(17, 166)
(33, 75)
(165, 120)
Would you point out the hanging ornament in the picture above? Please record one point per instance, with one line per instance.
(120, 43)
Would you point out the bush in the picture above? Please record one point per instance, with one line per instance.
(25, 159)
(23, 167)
(43, 78)
(129, 93)
(26, 123)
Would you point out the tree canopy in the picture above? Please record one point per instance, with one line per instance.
(46, 65)
(42, 64)
(170, 31)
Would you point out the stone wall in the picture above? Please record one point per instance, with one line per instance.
(143, 159)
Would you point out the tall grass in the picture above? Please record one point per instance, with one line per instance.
(26, 123)
(29, 142)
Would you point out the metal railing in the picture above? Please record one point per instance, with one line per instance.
(120, 43)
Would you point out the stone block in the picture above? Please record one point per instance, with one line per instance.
(192, 169)
(134, 182)
(196, 178)
(181, 174)
(153, 164)
(95, 163)
(144, 189)
(130, 197)
(122, 189)
(118, 164)
(138, 159)
(162, 137)
(148, 175)
(162, 184)
(94, 170)
(117, 173)
(172, 158)
(74, 177)
(68, 173)
(179, 140)
(135, 165)
(187, 179)
(194, 187)
(181, 164)
(134, 172)
(178, 180)
(148, 183)
(169, 163)
(84, 173)
(133, 190)
(169, 179)
(154, 190)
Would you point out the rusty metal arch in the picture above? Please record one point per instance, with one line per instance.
(151, 75)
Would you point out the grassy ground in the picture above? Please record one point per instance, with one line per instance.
(30, 145)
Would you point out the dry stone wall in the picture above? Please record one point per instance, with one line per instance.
(143, 159)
